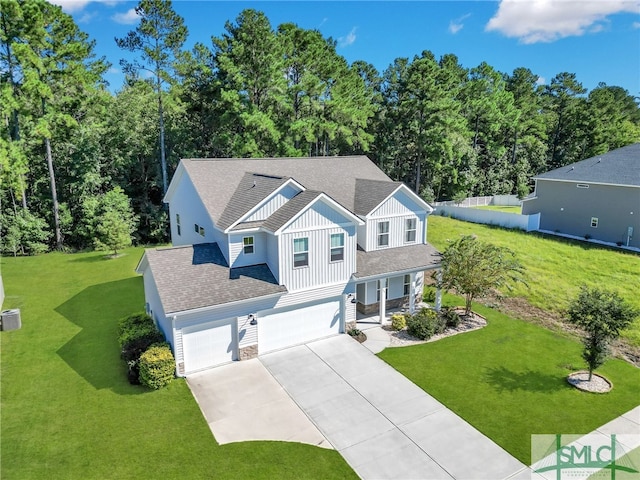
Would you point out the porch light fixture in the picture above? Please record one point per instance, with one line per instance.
(352, 297)
(253, 320)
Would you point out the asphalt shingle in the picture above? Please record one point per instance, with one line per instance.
(392, 260)
(617, 167)
(197, 276)
(370, 193)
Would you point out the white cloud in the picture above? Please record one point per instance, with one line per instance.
(534, 21)
(541, 81)
(127, 18)
(87, 17)
(70, 6)
(114, 71)
(456, 25)
(349, 39)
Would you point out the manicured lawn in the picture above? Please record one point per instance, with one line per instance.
(67, 409)
(500, 208)
(556, 267)
(509, 381)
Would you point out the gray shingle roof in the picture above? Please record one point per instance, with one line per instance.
(253, 188)
(392, 260)
(617, 167)
(290, 209)
(217, 180)
(198, 276)
(370, 193)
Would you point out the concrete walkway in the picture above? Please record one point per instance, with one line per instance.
(385, 426)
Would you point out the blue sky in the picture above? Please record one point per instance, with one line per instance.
(598, 40)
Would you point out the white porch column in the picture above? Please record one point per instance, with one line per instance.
(438, 292)
(412, 294)
(383, 300)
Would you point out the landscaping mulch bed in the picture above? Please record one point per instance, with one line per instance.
(468, 323)
(598, 383)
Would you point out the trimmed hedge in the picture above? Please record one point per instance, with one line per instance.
(136, 333)
(157, 366)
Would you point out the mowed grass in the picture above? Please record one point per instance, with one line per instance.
(67, 410)
(509, 381)
(555, 267)
(501, 208)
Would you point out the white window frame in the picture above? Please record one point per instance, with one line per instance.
(386, 291)
(594, 222)
(383, 233)
(201, 232)
(248, 248)
(338, 250)
(406, 288)
(303, 255)
(410, 227)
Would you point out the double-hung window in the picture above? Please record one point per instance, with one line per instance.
(337, 247)
(247, 245)
(300, 252)
(383, 234)
(407, 285)
(410, 230)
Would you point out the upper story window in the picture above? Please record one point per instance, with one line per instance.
(337, 247)
(300, 252)
(383, 234)
(247, 245)
(178, 223)
(410, 230)
(199, 229)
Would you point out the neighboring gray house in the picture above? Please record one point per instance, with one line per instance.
(596, 198)
(270, 253)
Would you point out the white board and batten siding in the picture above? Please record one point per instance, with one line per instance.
(396, 210)
(186, 203)
(272, 204)
(273, 256)
(317, 224)
(237, 257)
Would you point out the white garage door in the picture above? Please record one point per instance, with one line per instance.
(297, 325)
(209, 345)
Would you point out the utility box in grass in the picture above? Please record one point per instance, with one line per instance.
(10, 320)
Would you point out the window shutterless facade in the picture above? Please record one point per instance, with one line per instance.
(301, 252)
(337, 247)
(410, 230)
(247, 245)
(383, 234)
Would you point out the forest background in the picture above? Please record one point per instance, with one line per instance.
(77, 158)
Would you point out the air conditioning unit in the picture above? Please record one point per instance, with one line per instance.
(10, 319)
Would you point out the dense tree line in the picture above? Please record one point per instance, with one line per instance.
(259, 91)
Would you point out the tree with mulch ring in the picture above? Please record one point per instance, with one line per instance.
(602, 315)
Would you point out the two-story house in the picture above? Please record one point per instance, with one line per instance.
(270, 253)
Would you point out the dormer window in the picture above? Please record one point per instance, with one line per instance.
(300, 252)
(247, 245)
(410, 230)
(383, 234)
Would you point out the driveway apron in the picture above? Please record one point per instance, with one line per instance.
(384, 426)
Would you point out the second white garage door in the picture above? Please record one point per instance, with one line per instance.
(209, 345)
(293, 326)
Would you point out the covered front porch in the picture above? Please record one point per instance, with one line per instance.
(392, 280)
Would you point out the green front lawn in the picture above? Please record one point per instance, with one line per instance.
(509, 381)
(67, 409)
(555, 267)
(501, 208)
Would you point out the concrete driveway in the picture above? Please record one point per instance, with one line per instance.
(384, 425)
(242, 401)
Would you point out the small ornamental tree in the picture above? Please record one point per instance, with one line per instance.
(602, 315)
(115, 221)
(472, 268)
